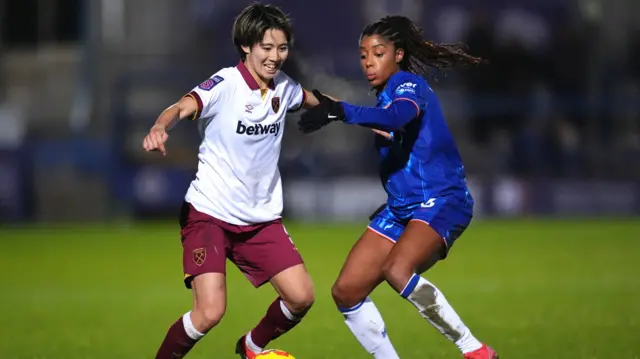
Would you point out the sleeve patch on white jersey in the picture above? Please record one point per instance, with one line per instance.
(211, 83)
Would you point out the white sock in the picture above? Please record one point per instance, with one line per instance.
(255, 348)
(287, 313)
(367, 325)
(189, 328)
(433, 306)
(251, 345)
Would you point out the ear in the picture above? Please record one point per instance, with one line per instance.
(399, 55)
(246, 49)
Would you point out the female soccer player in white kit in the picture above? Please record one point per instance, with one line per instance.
(233, 207)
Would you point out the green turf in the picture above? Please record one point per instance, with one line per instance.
(532, 289)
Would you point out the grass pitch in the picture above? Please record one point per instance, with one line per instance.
(532, 289)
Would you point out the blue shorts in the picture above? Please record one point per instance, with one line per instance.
(448, 216)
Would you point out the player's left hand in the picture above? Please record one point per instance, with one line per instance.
(317, 117)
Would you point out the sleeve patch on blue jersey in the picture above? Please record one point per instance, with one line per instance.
(406, 88)
(211, 83)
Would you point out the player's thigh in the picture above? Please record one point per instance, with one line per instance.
(426, 239)
(265, 252)
(449, 217)
(418, 249)
(295, 287)
(209, 298)
(204, 245)
(361, 272)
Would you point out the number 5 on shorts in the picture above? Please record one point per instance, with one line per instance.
(428, 204)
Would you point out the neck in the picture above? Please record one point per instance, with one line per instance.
(382, 86)
(261, 82)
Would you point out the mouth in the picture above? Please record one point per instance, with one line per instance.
(371, 77)
(271, 68)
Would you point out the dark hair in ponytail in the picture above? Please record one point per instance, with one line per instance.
(420, 54)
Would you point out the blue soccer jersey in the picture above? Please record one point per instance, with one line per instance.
(420, 167)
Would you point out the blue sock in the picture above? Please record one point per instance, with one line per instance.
(411, 285)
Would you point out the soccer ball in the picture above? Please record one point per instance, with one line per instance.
(274, 354)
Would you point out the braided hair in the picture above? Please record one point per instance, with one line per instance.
(420, 55)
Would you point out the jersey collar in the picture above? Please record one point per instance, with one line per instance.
(251, 82)
(386, 86)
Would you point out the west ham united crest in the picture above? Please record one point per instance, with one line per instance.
(275, 104)
(199, 256)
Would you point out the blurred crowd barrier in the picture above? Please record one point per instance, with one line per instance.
(551, 126)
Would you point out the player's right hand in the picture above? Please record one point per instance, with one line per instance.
(155, 140)
(386, 135)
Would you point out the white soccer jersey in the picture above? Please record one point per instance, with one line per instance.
(238, 180)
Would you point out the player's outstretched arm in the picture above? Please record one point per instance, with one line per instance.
(392, 118)
(388, 119)
(158, 135)
(312, 101)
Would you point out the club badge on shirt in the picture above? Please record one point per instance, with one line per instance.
(275, 104)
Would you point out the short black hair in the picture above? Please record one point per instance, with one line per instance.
(254, 20)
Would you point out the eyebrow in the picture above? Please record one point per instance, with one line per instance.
(273, 44)
(374, 46)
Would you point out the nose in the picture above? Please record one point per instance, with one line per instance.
(367, 62)
(275, 56)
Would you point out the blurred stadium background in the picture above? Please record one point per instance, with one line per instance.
(549, 132)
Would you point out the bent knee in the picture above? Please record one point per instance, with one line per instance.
(397, 273)
(346, 296)
(209, 315)
(299, 301)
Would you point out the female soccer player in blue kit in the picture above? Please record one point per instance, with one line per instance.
(428, 206)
